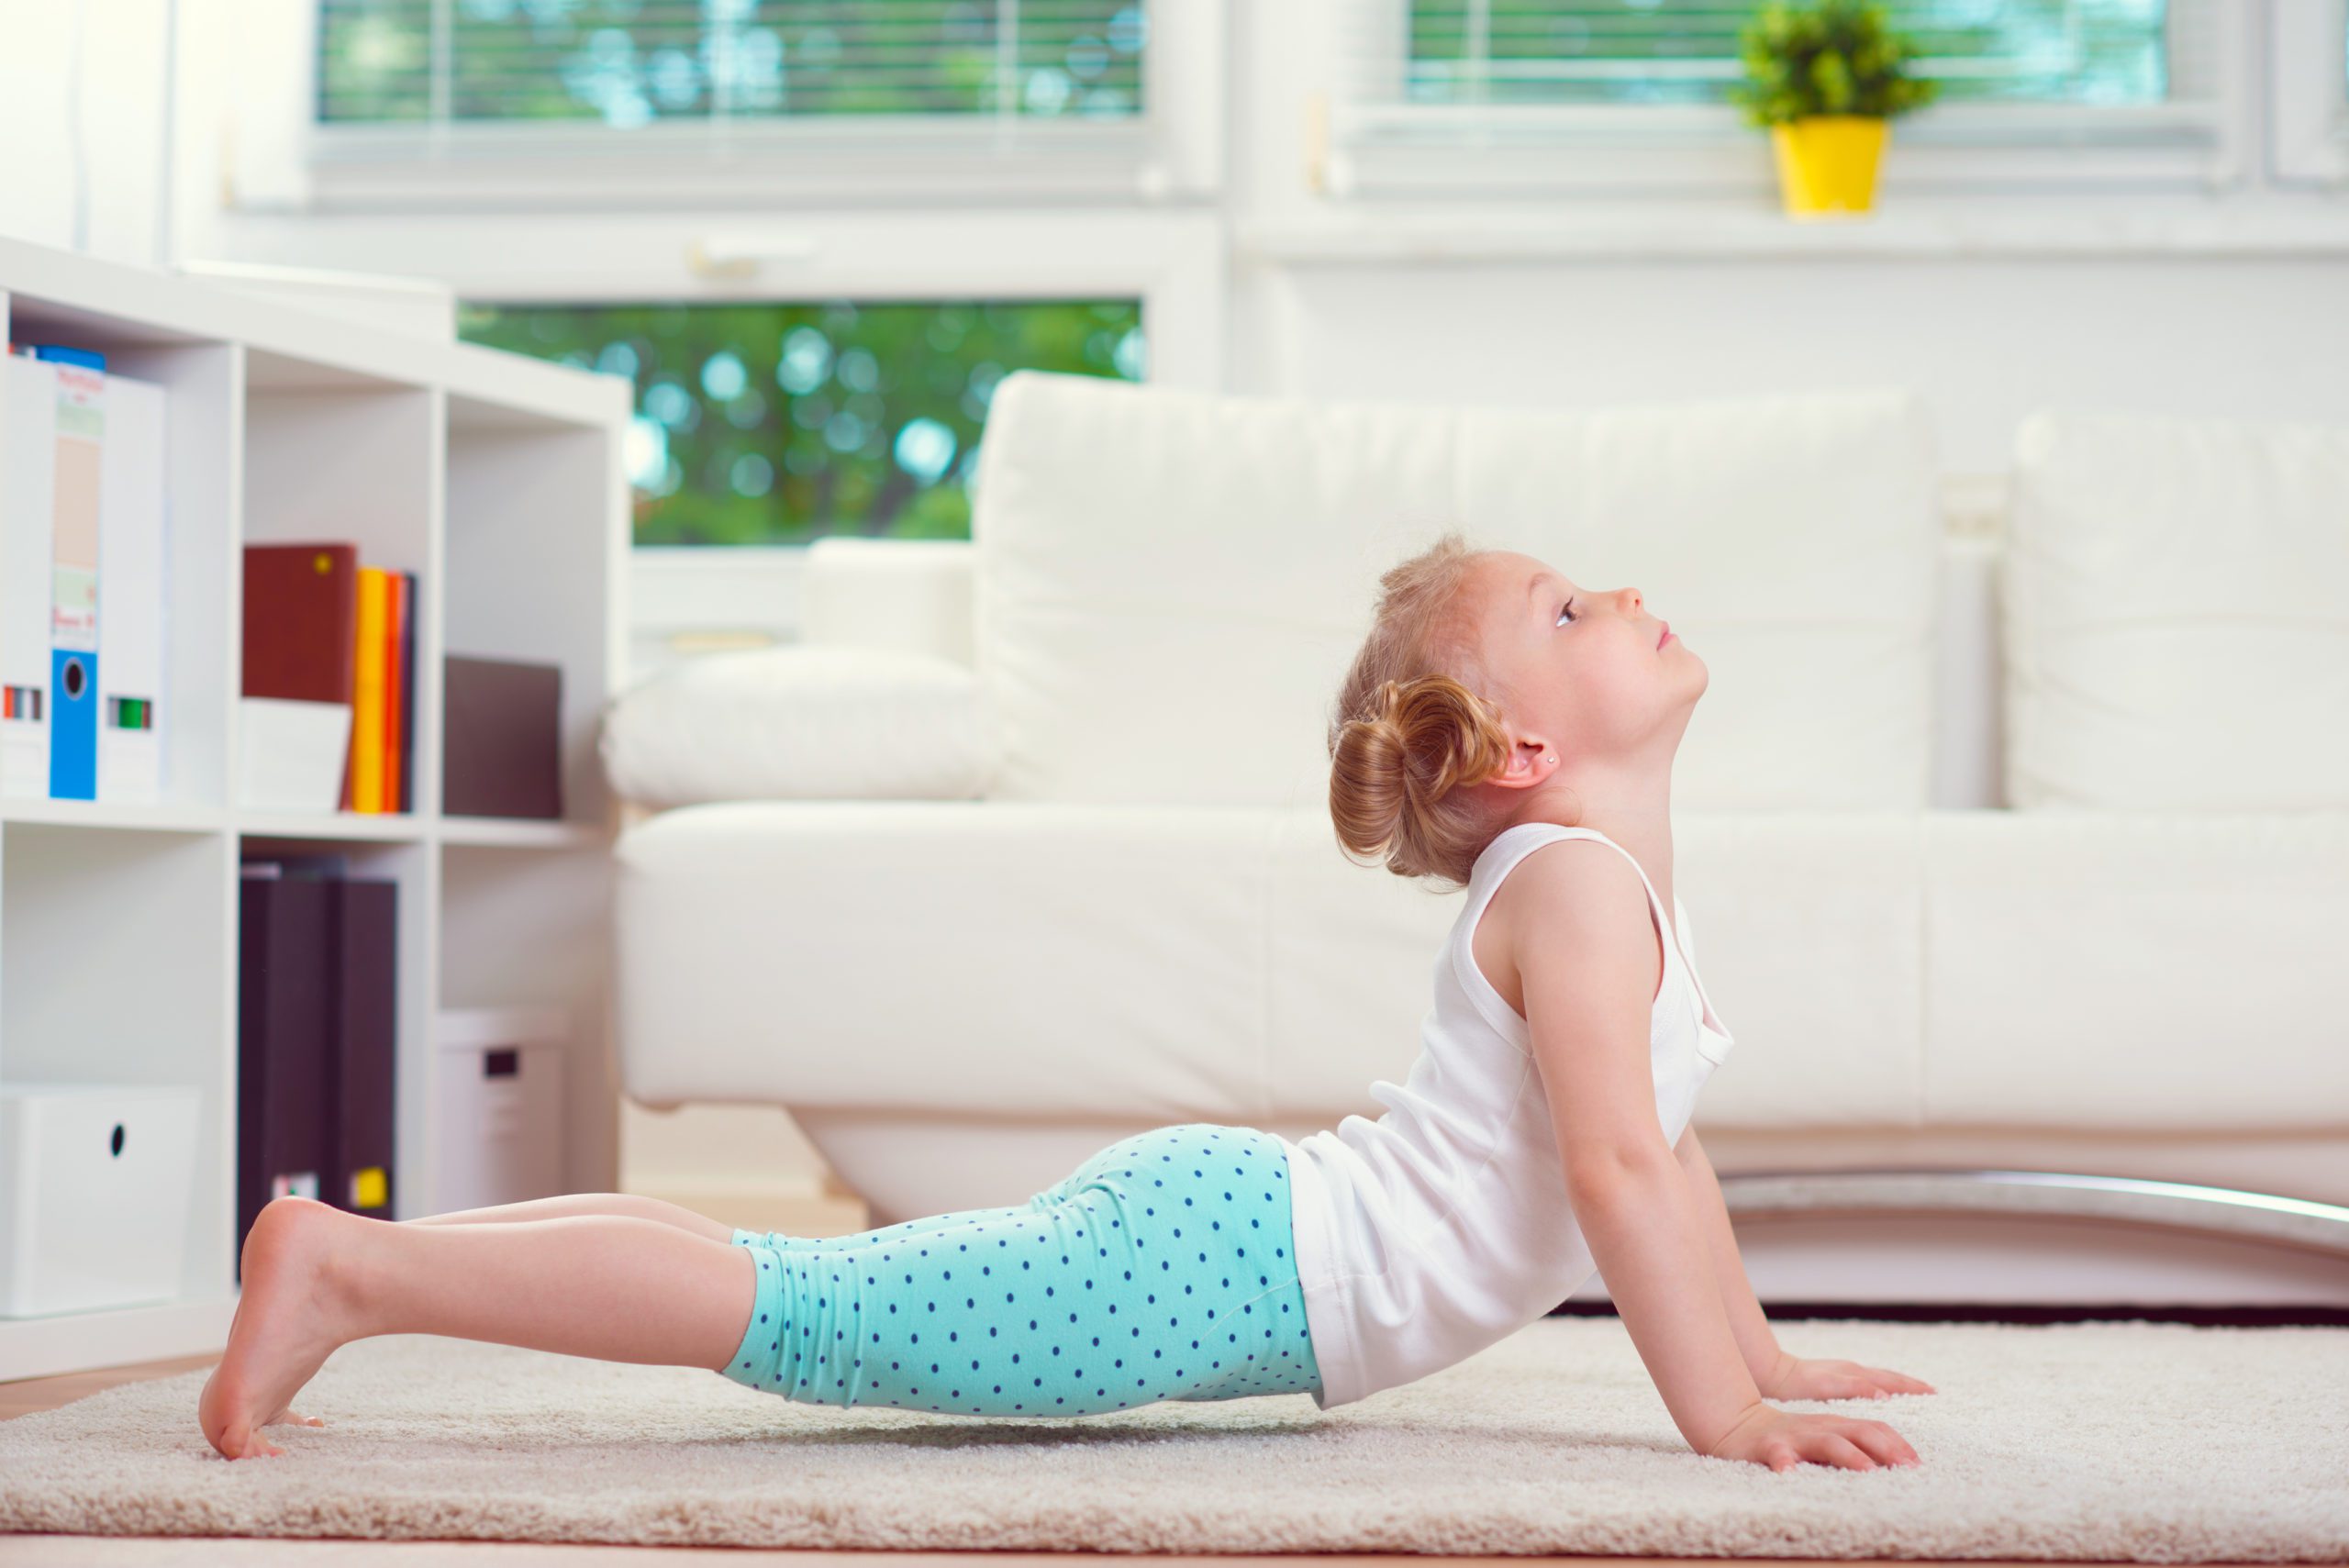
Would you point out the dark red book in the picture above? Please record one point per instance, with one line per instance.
(301, 617)
(301, 612)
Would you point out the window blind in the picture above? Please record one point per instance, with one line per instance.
(1634, 53)
(628, 63)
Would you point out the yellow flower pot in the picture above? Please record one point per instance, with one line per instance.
(1827, 162)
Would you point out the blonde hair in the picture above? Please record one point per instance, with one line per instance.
(1410, 736)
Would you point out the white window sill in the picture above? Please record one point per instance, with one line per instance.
(1932, 229)
(504, 169)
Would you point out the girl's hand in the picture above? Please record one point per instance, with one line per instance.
(1800, 1377)
(1766, 1435)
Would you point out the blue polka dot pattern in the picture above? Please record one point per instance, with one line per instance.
(1161, 1268)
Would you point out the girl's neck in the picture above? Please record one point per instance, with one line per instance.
(1642, 823)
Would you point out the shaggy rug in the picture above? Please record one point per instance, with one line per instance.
(2147, 1441)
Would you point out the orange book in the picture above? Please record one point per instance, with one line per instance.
(367, 693)
(394, 630)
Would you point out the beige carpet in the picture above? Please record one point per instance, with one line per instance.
(2156, 1443)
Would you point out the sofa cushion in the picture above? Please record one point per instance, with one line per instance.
(2135, 970)
(2173, 628)
(1879, 968)
(800, 723)
(1171, 583)
(970, 960)
(1202, 962)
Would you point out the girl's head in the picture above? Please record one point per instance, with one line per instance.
(1493, 689)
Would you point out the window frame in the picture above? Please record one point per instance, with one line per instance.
(1173, 262)
(1172, 149)
(1380, 149)
(2309, 68)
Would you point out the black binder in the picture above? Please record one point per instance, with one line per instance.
(283, 1033)
(317, 1040)
(361, 1075)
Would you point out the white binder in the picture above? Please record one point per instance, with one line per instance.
(28, 476)
(133, 711)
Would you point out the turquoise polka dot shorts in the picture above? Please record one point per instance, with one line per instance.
(1161, 1268)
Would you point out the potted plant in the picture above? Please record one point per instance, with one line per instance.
(1825, 78)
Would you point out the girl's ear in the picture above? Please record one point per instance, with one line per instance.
(1531, 761)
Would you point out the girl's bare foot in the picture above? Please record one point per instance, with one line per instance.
(290, 1318)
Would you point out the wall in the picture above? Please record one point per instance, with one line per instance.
(81, 112)
(2228, 302)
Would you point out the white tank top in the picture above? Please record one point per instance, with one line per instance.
(1444, 1227)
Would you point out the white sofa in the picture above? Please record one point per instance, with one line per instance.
(2013, 829)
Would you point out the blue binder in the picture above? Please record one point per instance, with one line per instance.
(73, 725)
(73, 650)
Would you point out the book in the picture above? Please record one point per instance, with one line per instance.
(503, 734)
(365, 793)
(300, 609)
(407, 698)
(395, 584)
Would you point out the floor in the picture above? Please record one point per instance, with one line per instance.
(832, 1213)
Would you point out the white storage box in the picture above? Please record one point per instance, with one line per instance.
(499, 1098)
(97, 1184)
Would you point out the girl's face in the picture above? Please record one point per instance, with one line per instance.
(1581, 674)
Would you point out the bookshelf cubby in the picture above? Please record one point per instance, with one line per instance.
(498, 480)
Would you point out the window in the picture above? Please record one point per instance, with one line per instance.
(521, 105)
(2308, 119)
(769, 424)
(630, 62)
(1608, 52)
(1502, 98)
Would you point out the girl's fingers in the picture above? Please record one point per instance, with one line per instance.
(1841, 1451)
(1901, 1383)
(1881, 1443)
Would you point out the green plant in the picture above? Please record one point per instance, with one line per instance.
(1830, 56)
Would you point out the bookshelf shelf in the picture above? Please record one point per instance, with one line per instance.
(499, 482)
(92, 814)
(513, 833)
(351, 825)
(80, 1340)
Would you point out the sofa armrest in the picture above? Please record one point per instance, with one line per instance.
(801, 722)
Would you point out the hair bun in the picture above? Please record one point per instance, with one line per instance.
(1423, 739)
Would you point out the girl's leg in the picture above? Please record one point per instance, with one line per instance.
(616, 1287)
(573, 1203)
(856, 1240)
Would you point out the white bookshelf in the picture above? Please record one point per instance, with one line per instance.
(499, 481)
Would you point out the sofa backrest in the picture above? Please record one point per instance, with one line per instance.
(2176, 635)
(1169, 584)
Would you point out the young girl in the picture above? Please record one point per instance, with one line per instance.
(1496, 710)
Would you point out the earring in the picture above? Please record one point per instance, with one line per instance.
(1549, 757)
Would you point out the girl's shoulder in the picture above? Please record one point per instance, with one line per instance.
(1547, 899)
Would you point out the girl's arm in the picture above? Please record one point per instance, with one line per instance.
(1583, 956)
(1747, 1322)
(1583, 950)
(1778, 1374)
